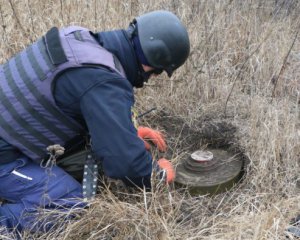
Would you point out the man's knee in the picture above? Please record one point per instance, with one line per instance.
(46, 188)
(31, 184)
(57, 188)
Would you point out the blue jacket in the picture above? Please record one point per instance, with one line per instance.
(102, 100)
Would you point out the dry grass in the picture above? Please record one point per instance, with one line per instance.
(243, 69)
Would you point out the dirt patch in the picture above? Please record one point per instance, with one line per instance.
(184, 137)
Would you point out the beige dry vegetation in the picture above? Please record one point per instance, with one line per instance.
(244, 69)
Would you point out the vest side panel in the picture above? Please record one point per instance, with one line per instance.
(30, 119)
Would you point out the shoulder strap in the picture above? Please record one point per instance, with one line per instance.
(54, 47)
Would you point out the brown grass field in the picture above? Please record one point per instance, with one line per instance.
(243, 70)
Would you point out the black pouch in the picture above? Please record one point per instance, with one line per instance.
(74, 164)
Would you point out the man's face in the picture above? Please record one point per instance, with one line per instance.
(150, 71)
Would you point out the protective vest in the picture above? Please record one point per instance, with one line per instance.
(30, 119)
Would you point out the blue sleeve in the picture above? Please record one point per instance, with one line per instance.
(105, 100)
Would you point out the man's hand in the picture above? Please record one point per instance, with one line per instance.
(154, 136)
(167, 169)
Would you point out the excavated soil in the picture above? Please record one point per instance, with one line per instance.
(184, 138)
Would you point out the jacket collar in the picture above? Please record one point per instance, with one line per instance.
(118, 43)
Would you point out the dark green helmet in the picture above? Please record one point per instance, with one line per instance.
(164, 40)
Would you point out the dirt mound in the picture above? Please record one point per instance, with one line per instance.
(183, 136)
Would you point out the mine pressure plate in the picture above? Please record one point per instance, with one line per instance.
(209, 172)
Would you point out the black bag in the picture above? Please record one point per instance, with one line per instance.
(74, 164)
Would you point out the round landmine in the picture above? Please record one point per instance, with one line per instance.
(209, 172)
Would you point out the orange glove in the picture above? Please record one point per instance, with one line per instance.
(169, 172)
(153, 136)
